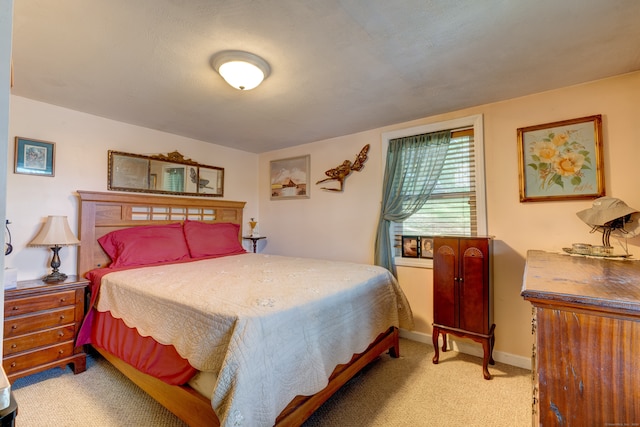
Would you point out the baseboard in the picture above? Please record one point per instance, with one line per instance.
(468, 348)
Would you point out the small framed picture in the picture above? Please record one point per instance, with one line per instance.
(34, 157)
(426, 247)
(289, 178)
(410, 246)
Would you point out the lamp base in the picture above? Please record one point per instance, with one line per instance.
(56, 276)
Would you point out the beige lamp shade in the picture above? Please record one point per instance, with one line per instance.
(55, 231)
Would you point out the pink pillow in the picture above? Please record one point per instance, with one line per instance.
(216, 239)
(149, 244)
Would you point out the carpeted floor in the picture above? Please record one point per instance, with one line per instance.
(410, 391)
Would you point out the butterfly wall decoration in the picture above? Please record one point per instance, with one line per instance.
(341, 172)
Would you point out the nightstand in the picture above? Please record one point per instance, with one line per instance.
(41, 323)
(254, 239)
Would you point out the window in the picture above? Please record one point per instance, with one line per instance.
(457, 204)
(451, 209)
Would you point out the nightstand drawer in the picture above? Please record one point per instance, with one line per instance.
(38, 339)
(27, 305)
(37, 357)
(14, 326)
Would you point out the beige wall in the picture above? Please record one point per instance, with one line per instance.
(82, 142)
(341, 226)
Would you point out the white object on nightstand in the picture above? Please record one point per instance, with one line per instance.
(5, 390)
(10, 278)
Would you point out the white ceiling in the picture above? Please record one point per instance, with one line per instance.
(338, 67)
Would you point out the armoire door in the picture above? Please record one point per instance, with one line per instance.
(473, 283)
(445, 282)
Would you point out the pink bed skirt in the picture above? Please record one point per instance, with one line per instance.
(143, 353)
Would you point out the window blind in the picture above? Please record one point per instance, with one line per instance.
(451, 208)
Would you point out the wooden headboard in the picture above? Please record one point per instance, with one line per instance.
(101, 213)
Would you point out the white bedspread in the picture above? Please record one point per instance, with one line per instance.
(271, 327)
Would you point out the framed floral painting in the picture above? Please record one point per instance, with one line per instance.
(561, 160)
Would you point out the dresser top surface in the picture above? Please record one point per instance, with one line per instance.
(588, 281)
(37, 286)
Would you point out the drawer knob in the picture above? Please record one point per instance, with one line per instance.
(60, 334)
(13, 346)
(62, 299)
(13, 364)
(15, 308)
(61, 351)
(14, 326)
(62, 317)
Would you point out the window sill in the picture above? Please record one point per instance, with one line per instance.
(414, 262)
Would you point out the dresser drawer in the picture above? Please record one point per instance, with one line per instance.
(14, 326)
(37, 357)
(38, 339)
(18, 306)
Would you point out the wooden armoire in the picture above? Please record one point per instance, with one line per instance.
(462, 293)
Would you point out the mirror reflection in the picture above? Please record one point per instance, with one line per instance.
(165, 174)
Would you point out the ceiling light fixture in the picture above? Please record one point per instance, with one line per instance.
(242, 70)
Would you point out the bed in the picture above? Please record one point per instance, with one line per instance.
(103, 214)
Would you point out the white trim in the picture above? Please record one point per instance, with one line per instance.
(481, 199)
(475, 121)
(413, 262)
(468, 348)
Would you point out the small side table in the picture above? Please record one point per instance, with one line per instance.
(254, 239)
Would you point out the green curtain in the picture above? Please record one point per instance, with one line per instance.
(174, 179)
(413, 166)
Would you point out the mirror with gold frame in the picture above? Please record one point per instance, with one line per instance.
(163, 174)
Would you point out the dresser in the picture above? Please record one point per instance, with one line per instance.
(41, 322)
(586, 327)
(462, 293)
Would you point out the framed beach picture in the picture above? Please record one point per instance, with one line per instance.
(561, 160)
(289, 178)
(34, 157)
(410, 246)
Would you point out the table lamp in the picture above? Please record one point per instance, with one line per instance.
(55, 233)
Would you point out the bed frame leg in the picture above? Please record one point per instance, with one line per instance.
(394, 350)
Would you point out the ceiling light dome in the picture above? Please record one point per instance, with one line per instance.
(242, 70)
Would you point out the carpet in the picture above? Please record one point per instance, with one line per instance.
(409, 391)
